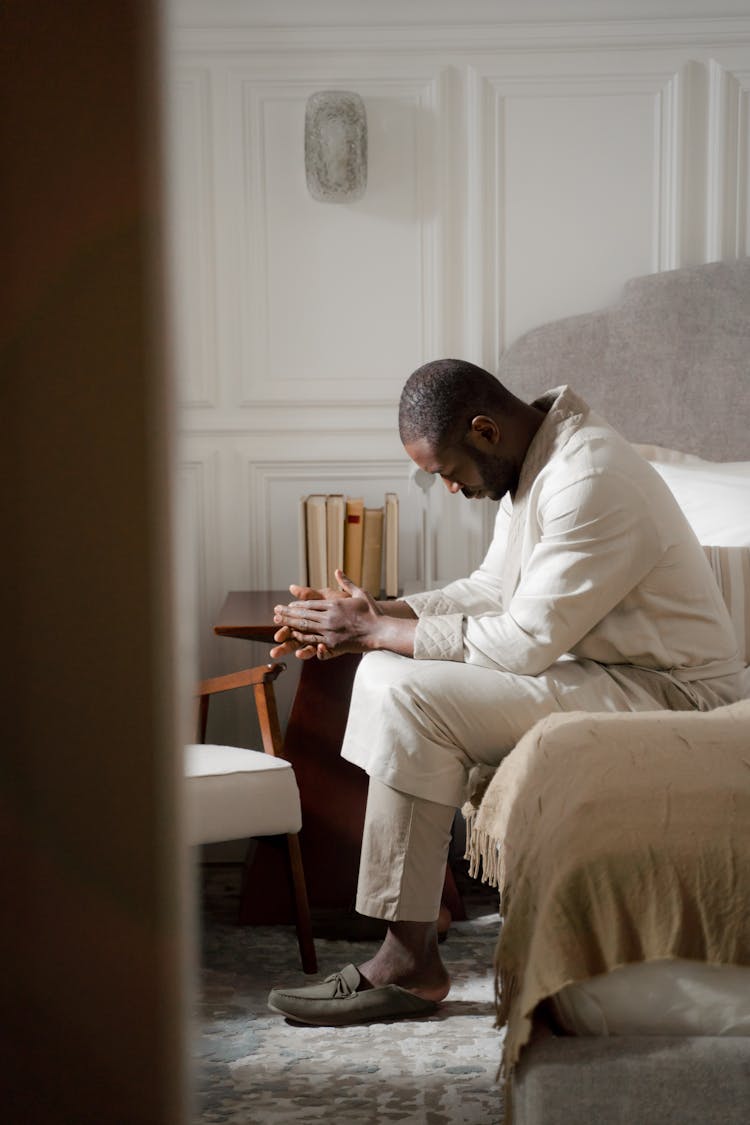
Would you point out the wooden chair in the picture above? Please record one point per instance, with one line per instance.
(234, 793)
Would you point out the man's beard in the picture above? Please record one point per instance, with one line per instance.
(498, 475)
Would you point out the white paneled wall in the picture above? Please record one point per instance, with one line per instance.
(518, 172)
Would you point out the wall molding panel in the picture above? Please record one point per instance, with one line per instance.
(727, 187)
(276, 310)
(669, 112)
(200, 548)
(192, 238)
(237, 27)
(492, 268)
(484, 221)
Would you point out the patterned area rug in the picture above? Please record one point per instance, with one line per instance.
(254, 1067)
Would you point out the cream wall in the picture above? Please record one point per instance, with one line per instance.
(524, 161)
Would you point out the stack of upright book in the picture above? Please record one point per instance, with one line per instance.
(339, 532)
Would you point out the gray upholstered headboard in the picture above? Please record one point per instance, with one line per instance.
(669, 364)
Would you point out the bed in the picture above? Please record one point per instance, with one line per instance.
(621, 843)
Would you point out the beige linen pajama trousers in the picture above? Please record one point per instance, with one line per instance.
(426, 730)
(404, 850)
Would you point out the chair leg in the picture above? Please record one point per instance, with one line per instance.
(302, 907)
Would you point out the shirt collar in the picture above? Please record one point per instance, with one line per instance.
(564, 412)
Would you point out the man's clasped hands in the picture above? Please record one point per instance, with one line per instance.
(326, 623)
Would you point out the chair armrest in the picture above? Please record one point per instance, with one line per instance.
(261, 674)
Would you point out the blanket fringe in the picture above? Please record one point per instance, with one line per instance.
(482, 851)
(486, 858)
(506, 987)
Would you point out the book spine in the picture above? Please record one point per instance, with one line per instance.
(335, 515)
(391, 544)
(302, 543)
(372, 551)
(353, 532)
(316, 541)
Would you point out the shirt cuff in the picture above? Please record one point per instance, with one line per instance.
(440, 637)
(431, 603)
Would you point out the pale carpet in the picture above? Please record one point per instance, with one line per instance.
(252, 1066)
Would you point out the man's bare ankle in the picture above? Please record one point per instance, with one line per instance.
(405, 959)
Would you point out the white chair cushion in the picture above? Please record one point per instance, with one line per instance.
(234, 793)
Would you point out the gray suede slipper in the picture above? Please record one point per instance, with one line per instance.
(335, 1002)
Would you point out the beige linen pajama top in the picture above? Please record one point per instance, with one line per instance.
(593, 558)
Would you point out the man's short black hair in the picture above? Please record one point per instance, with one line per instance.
(440, 399)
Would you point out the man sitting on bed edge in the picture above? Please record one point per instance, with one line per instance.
(594, 595)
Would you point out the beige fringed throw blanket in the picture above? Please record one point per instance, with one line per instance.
(615, 838)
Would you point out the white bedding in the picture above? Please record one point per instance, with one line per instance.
(675, 997)
(712, 494)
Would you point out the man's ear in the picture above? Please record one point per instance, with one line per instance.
(486, 428)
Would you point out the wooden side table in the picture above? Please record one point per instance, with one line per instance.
(333, 792)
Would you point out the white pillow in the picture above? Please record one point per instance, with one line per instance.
(714, 495)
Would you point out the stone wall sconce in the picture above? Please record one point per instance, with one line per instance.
(336, 146)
